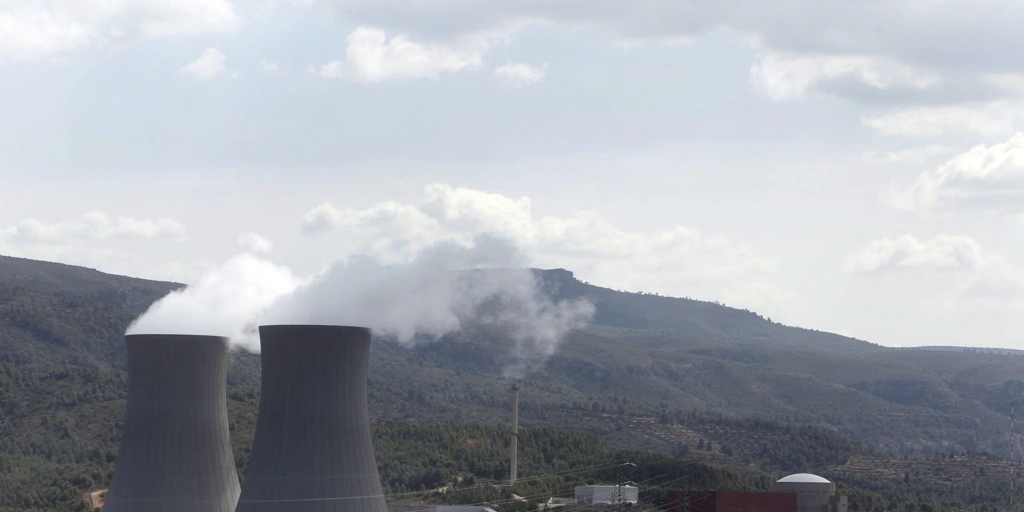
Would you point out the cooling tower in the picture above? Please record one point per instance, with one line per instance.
(313, 450)
(175, 453)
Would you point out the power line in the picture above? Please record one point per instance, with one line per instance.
(412, 493)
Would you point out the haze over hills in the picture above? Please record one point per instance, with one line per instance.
(651, 372)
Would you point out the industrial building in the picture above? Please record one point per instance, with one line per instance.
(607, 495)
(795, 493)
(175, 453)
(313, 448)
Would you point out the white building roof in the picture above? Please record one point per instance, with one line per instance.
(804, 478)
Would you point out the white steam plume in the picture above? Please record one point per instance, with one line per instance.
(421, 300)
(255, 242)
(227, 301)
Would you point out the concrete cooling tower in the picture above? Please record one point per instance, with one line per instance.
(175, 453)
(313, 450)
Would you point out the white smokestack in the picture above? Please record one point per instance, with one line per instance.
(515, 436)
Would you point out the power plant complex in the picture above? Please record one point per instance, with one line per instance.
(313, 447)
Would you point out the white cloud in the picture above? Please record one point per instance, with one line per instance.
(390, 231)
(997, 118)
(1002, 288)
(372, 57)
(163, 18)
(207, 66)
(785, 76)
(982, 178)
(94, 225)
(628, 43)
(1008, 82)
(333, 69)
(256, 243)
(33, 29)
(29, 31)
(908, 156)
(518, 74)
(678, 261)
(907, 252)
(882, 44)
(95, 240)
(996, 289)
(271, 67)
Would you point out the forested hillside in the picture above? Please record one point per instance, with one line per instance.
(695, 380)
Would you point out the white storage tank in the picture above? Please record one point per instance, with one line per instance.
(813, 493)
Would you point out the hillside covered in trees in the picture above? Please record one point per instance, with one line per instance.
(682, 381)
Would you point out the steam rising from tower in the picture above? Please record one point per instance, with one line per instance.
(175, 453)
(434, 294)
(313, 449)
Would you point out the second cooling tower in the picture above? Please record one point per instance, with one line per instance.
(313, 450)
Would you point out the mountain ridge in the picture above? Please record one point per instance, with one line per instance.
(626, 310)
(660, 374)
(672, 352)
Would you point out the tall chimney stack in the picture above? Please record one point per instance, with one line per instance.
(175, 453)
(313, 450)
(515, 435)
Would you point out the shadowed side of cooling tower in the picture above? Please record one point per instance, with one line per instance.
(175, 453)
(313, 449)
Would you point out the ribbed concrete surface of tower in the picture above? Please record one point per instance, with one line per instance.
(175, 453)
(313, 450)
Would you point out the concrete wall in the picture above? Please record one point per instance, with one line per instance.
(714, 501)
(838, 504)
(811, 496)
(756, 502)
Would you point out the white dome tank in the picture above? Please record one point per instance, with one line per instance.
(813, 493)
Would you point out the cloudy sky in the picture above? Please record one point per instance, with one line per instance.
(855, 168)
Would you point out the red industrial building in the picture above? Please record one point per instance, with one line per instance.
(719, 501)
(801, 492)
